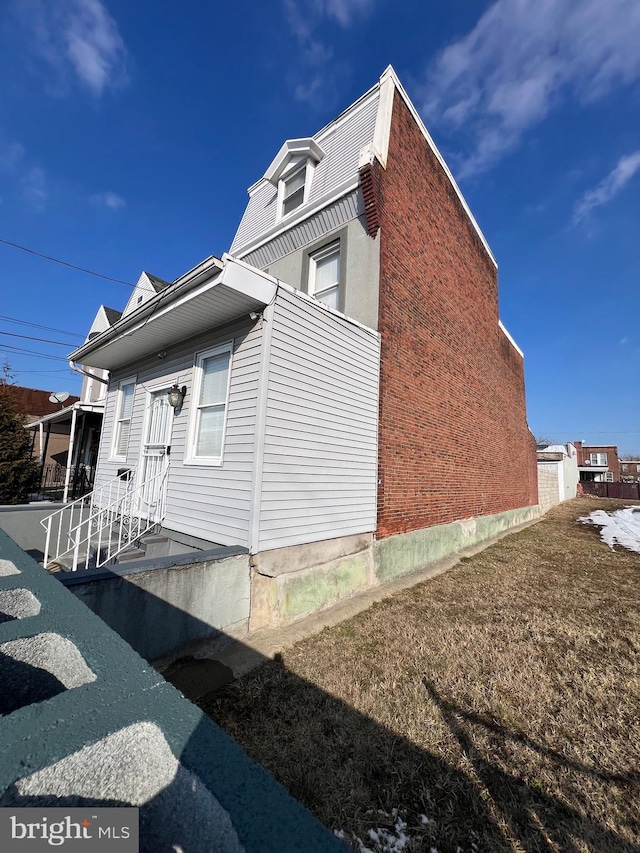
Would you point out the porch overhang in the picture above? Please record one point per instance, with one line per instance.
(595, 469)
(213, 294)
(59, 423)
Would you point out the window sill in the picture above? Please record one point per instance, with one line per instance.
(203, 463)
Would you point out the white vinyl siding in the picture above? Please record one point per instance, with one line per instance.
(211, 503)
(320, 447)
(124, 404)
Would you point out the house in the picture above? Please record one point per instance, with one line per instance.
(630, 470)
(598, 463)
(33, 403)
(557, 474)
(78, 425)
(336, 396)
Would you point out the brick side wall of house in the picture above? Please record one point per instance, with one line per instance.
(453, 438)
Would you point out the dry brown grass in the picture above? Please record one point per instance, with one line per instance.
(501, 699)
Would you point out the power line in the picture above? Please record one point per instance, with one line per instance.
(65, 263)
(41, 340)
(38, 326)
(31, 352)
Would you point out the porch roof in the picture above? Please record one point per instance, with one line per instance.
(212, 294)
(60, 422)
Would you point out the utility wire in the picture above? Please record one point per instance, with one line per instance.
(41, 340)
(10, 347)
(38, 326)
(65, 263)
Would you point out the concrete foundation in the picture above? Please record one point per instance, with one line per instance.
(407, 552)
(283, 598)
(285, 589)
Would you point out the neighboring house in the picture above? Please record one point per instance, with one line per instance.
(78, 424)
(557, 474)
(598, 463)
(33, 404)
(345, 403)
(630, 470)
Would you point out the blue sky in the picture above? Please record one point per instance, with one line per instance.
(129, 133)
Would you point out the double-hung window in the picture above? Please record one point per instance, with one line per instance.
(209, 407)
(124, 412)
(598, 458)
(293, 190)
(324, 275)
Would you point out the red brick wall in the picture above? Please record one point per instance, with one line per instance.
(454, 442)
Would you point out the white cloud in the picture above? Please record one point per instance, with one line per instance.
(520, 61)
(616, 180)
(111, 200)
(317, 81)
(11, 155)
(305, 15)
(78, 38)
(344, 11)
(33, 187)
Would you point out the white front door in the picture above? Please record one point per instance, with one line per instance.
(155, 456)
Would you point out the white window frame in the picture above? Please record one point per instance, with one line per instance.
(309, 166)
(320, 255)
(598, 458)
(117, 420)
(608, 477)
(194, 407)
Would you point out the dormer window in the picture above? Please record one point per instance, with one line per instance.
(292, 173)
(293, 190)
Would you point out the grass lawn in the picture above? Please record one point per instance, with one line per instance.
(492, 708)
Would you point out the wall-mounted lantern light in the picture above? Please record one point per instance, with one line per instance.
(176, 395)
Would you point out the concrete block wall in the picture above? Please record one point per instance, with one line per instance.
(548, 485)
(86, 722)
(453, 436)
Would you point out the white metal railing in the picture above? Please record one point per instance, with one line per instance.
(91, 531)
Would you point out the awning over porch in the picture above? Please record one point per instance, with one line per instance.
(214, 293)
(59, 423)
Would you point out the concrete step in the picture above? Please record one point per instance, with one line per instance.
(131, 553)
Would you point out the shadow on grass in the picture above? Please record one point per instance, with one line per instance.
(352, 773)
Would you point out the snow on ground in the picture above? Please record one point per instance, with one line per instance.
(621, 527)
(384, 840)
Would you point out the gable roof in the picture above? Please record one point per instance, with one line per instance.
(357, 136)
(146, 288)
(112, 315)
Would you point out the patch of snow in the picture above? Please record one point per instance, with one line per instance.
(621, 527)
(384, 839)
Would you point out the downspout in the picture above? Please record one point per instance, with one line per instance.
(261, 417)
(67, 475)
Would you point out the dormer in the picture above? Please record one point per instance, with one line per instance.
(291, 173)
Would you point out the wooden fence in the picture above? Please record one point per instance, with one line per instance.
(622, 491)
